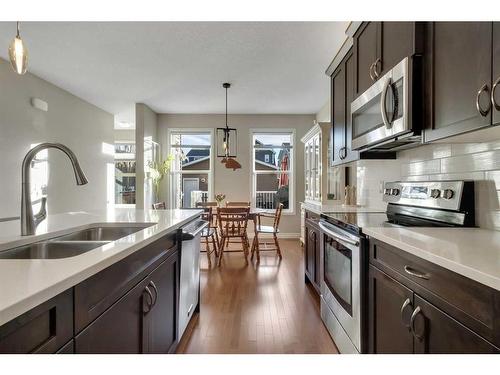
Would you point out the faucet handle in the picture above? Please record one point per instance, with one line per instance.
(42, 214)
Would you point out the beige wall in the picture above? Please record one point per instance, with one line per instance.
(237, 184)
(81, 126)
(145, 126)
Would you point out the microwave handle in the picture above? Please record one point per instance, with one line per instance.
(383, 101)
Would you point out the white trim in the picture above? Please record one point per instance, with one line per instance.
(196, 161)
(267, 165)
(291, 173)
(170, 131)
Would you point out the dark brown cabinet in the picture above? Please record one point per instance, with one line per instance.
(366, 42)
(338, 96)
(379, 46)
(458, 77)
(312, 253)
(129, 307)
(415, 306)
(389, 308)
(142, 321)
(495, 95)
(44, 329)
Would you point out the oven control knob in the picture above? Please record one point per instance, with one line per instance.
(387, 191)
(435, 193)
(448, 193)
(395, 191)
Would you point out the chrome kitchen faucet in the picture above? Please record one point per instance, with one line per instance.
(29, 222)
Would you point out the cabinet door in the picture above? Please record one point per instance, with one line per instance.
(119, 330)
(496, 73)
(309, 252)
(397, 42)
(436, 332)
(161, 321)
(366, 52)
(43, 329)
(389, 309)
(349, 66)
(460, 58)
(317, 258)
(338, 114)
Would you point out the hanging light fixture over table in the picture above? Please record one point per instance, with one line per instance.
(227, 142)
(18, 54)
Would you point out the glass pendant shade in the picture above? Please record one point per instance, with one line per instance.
(18, 54)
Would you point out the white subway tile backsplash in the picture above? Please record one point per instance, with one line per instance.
(482, 161)
(465, 161)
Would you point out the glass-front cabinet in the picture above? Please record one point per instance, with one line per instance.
(316, 163)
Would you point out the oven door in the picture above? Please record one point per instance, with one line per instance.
(341, 288)
(381, 112)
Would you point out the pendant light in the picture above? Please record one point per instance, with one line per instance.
(226, 142)
(18, 54)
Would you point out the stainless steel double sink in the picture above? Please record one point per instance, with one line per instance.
(72, 244)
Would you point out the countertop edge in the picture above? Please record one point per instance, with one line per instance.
(463, 270)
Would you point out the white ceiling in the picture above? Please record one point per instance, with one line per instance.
(179, 67)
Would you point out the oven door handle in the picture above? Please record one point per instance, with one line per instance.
(337, 236)
(383, 101)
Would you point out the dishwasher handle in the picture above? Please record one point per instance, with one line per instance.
(191, 231)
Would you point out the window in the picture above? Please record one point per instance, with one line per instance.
(124, 172)
(191, 172)
(272, 174)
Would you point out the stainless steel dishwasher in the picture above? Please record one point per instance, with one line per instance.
(190, 272)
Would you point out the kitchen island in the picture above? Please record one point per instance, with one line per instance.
(92, 282)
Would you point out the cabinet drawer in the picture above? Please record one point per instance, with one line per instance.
(312, 216)
(94, 295)
(470, 302)
(44, 329)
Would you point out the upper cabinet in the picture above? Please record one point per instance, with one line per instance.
(366, 51)
(316, 162)
(459, 63)
(379, 46)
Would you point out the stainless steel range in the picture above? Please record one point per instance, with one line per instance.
(344, 247)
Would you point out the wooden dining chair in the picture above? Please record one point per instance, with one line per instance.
(236, 204)
(233, 222)
(209, 234)
(263, 229)
(159, 206)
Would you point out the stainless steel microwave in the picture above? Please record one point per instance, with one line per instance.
(381, 117)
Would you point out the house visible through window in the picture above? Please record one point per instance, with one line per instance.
(191, 175)
(272, 174)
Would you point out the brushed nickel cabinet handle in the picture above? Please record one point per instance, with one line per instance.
(413, 272)
(153, 285)
(370, 71)
(417, 311)
(150, 303)
(493, 101)
(375, 67)
(481, 111)
(406, 303)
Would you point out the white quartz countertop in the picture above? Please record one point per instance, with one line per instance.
(338, 208)
(26, 283)
(471, 252)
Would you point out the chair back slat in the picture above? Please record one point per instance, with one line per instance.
(233, 220)
(277, 216)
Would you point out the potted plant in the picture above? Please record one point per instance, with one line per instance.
(158, 170)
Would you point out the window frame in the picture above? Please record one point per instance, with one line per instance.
(291, 174)
(171, 199)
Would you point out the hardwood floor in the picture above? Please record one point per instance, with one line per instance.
(265, 308)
